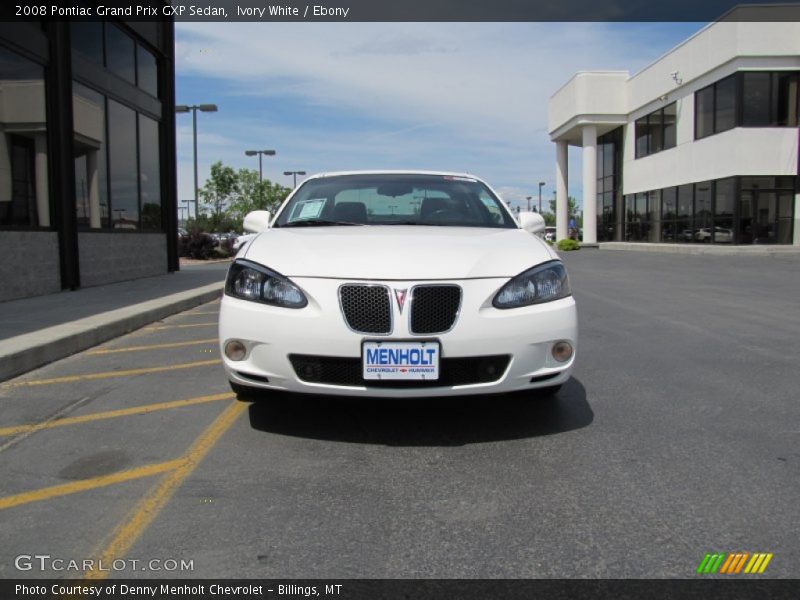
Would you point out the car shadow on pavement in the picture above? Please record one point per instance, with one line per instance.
(452, 421)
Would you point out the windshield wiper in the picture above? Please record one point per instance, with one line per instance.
(317, 223)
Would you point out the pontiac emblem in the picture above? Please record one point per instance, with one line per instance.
(401, 298)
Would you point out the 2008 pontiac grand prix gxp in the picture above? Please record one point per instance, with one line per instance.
(396, 284)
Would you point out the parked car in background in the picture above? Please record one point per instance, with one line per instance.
(550, 234)
(721, 235)
(241, 240)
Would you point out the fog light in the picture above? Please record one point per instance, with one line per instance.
(235, 350)
(562, 351)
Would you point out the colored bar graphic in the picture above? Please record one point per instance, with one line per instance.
(764, 564)
(731, 559)
(734, 562)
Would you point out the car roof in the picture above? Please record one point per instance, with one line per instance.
(394, 172)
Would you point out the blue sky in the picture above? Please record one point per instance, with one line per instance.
(340, 96)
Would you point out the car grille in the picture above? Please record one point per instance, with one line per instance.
(366, 308)
(333, 370)
(434, 308)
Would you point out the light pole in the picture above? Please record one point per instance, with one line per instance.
(528, 198)
(541, 184)
(185, 108)
(295, 174)
(260, 153)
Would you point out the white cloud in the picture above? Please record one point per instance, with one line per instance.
(456, 96)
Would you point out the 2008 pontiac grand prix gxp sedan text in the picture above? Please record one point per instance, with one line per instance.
(396, 284)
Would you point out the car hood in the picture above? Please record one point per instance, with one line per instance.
(398, 252)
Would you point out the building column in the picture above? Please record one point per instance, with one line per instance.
(562, 177)
(797, 220)
(40, 171)
(589, 160)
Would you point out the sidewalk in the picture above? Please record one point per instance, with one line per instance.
(36, 331)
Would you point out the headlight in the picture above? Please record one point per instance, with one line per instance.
(251, 281)
(544, 283)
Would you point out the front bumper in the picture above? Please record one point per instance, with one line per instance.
(273, 334)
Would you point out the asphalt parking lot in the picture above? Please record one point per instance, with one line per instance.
(678, 435)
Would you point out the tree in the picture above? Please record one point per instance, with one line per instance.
(254, 195)
(220, 189)
(572, 209)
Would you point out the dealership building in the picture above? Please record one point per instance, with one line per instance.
(699, 147)
(87, 154)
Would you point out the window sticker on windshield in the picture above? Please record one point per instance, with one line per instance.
(311, 209)
(456, 178)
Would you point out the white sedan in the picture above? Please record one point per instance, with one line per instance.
(396, 284)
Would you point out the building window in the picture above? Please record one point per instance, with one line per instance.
(89, 146)
(669, 215)
(770, 99)
(715, 108)
(122, 166)
(24, 189)
(748, 99)
(146, 70)
(87, 38)
(735, 210)
(117, 156)
(724, 202)
(149, 174)
(608, 177)
(120, 53)
(657, 131)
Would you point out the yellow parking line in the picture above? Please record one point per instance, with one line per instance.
(111, 414)
(150, 506)
(161, 327)
(89, 484)
(150, 347)
(108, 374)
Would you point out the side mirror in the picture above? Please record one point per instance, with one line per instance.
(531, 222)
(257, 221)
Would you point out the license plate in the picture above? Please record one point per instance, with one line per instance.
(400, 360)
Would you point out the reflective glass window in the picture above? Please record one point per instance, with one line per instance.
(149, 178)
(704, 112)
(670, 125)
(89, 144)
(123, 166)
(147, 71)
(120, 53)
(786, 99)
(755, 99)
(725, 104)
(87, 38)
(24, 185)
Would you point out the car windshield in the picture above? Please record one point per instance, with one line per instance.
(388, 199)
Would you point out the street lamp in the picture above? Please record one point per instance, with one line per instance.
(185, 108)
(541, 183)
(295, 174)
(260, 153)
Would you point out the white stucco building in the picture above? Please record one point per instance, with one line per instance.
(700, 146)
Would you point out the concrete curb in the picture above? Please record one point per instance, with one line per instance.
(26, 352)
(701, 249)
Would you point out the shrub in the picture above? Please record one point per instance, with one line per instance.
(198, 245)
(568, 244)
